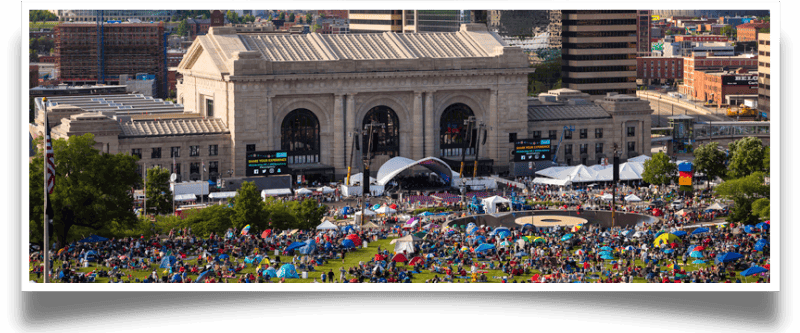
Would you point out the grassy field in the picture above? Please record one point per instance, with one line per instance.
(40, 25)
(352, 259)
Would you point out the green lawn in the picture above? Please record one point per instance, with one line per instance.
(352, 259)
(40, 25)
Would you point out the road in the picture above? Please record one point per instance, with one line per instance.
(665, 108)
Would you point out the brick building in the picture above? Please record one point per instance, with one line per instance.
(341, 14)
(198, 27)
(659, 69)
(701, 38)
(749, 31)
(714, 86)
(695, 63)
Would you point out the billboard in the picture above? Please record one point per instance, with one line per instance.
(741, 80)
(532, 150)
(267, 163)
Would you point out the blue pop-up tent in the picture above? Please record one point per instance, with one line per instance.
(753, 270)
(679, 233)
(287, 271)
(348, 243)
(204, 275)
(503, 233)
(270, 271)
(760, 244)
(699, 231)
(308, 248)
(727, 257)
(90, 255)
(167, 262)
(484, 247)
(471, 228)
(295, 245)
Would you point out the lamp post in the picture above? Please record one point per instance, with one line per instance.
(366, 159)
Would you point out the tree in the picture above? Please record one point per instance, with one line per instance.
(215, 218)
(248, 207)
(159, 196)
(744, 191)
(316, 28)
(659, 170)
(281, 16)
(232, 16)
(249, 18)
(728, 31)
(183, 28)
(307, 213)
(709, 160)
(760, 208)
(33, 56)
(300, 20)
(92, 189)
(291, 17)
(278, 215)
(766, 159)
(746, 157)
(309, 17)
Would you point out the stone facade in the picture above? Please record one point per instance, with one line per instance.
(254, 84)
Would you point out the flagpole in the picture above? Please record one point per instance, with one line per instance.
(46, 248)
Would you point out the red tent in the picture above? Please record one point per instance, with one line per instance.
(379, 257)
(353, 237)
(399, 258)
(535, 278)
(266, 233)
(393, 206)
(415, 260)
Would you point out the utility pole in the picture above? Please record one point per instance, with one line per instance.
(615, 178)
(468, 137)
(481, 127)
(367, 158)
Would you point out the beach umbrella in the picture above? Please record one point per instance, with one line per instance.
(393, 206)
(223, 257)
(668, 251)
(696, 254)
(698, 261)
(674, 266)
(354, 238)
(699, 231)
(727, 257)
(630, 248)
(246, 229)
(348, 243)
(762, 226)
(679, 233)
(666, 238)
(606, 248)
(753, 270)
(607, 257)
(566, 237)
(503, 233)
(505, 244)
(265, 233)
(698, 248)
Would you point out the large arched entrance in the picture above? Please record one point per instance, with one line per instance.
(453, 132)
(386, 138)
(300, 136)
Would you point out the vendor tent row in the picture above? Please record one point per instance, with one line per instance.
(563, 176)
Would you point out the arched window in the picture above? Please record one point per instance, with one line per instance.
(453, 132)
(386, 138)
(300, 136)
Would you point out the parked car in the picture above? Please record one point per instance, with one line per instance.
(677, 204)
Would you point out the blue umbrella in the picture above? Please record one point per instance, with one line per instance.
(727, 257)
(484, 247)
(628, 233)
(520, 254)
(480, 239)
(749, 229)
(760, 244)
(698, 261)
(503, 233)
(753, 270)
(669, 251)
(607, 257)
(566, 237)
(679, 233)
(348, 243)
(604, 253)
(696, 254)
(527, 225)
(606, 248)
(699, 231)
(223, 257)
(762, 226)
(93, 239)
(347, 228)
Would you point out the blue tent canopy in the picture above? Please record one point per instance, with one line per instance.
(309, 247)
(760, 244)
(679, 233)
(696, 254)
(699, 231)
(727, 257)
(762, 226)
(294, 245)
(566, 237)
(288, 271)
(753, 270)
(503, 233)
(480, 239)
(203, 276)
(606, 248)
(607, 257)
(347, 228)
(168, 262)
(484, 247)
(271, 272)
(93, 239)
(223, 257)
(348, 243)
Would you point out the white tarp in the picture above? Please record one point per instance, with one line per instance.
(275, 192)
(196, 187)
(607, 196)
(185, 197)
(490, 203)
(222, 195)
(640, 158)
(327, 225)
(716, 206)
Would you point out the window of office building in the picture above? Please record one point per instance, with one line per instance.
(598, 147)
(137, 152)
(213, 150)
(156, 153)
(631, 131)
(194, 150)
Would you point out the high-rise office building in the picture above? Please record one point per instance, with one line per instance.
(431, 20)
(643, 33)
(763, 72)
(370, 21)
(599, 51)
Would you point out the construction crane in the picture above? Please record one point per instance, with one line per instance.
(570, 128)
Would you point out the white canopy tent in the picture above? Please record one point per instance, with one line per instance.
(185, 197)
(358, 177)
(327, 225)
(633, 198)
(716, 206)
(368, 212)
(275, 192)
(490, 203)
(326, 190)
(385, 210)
(222, 195)
(405, 244)
(607, 196)
(550, 181)
(303, 191)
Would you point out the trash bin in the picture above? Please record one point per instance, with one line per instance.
(277, 253)
(86, 263)
(304, 275)
(364, 244)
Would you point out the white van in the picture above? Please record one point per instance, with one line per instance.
(677, 204)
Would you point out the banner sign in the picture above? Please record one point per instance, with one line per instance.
(267, 163)
(532, 150)
(745, 80)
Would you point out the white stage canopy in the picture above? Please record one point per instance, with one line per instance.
(396, 165)
(490, 203)
(276, 192)
(549, 181)
(185, 197)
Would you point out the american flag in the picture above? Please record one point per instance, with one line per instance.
(50, 170)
